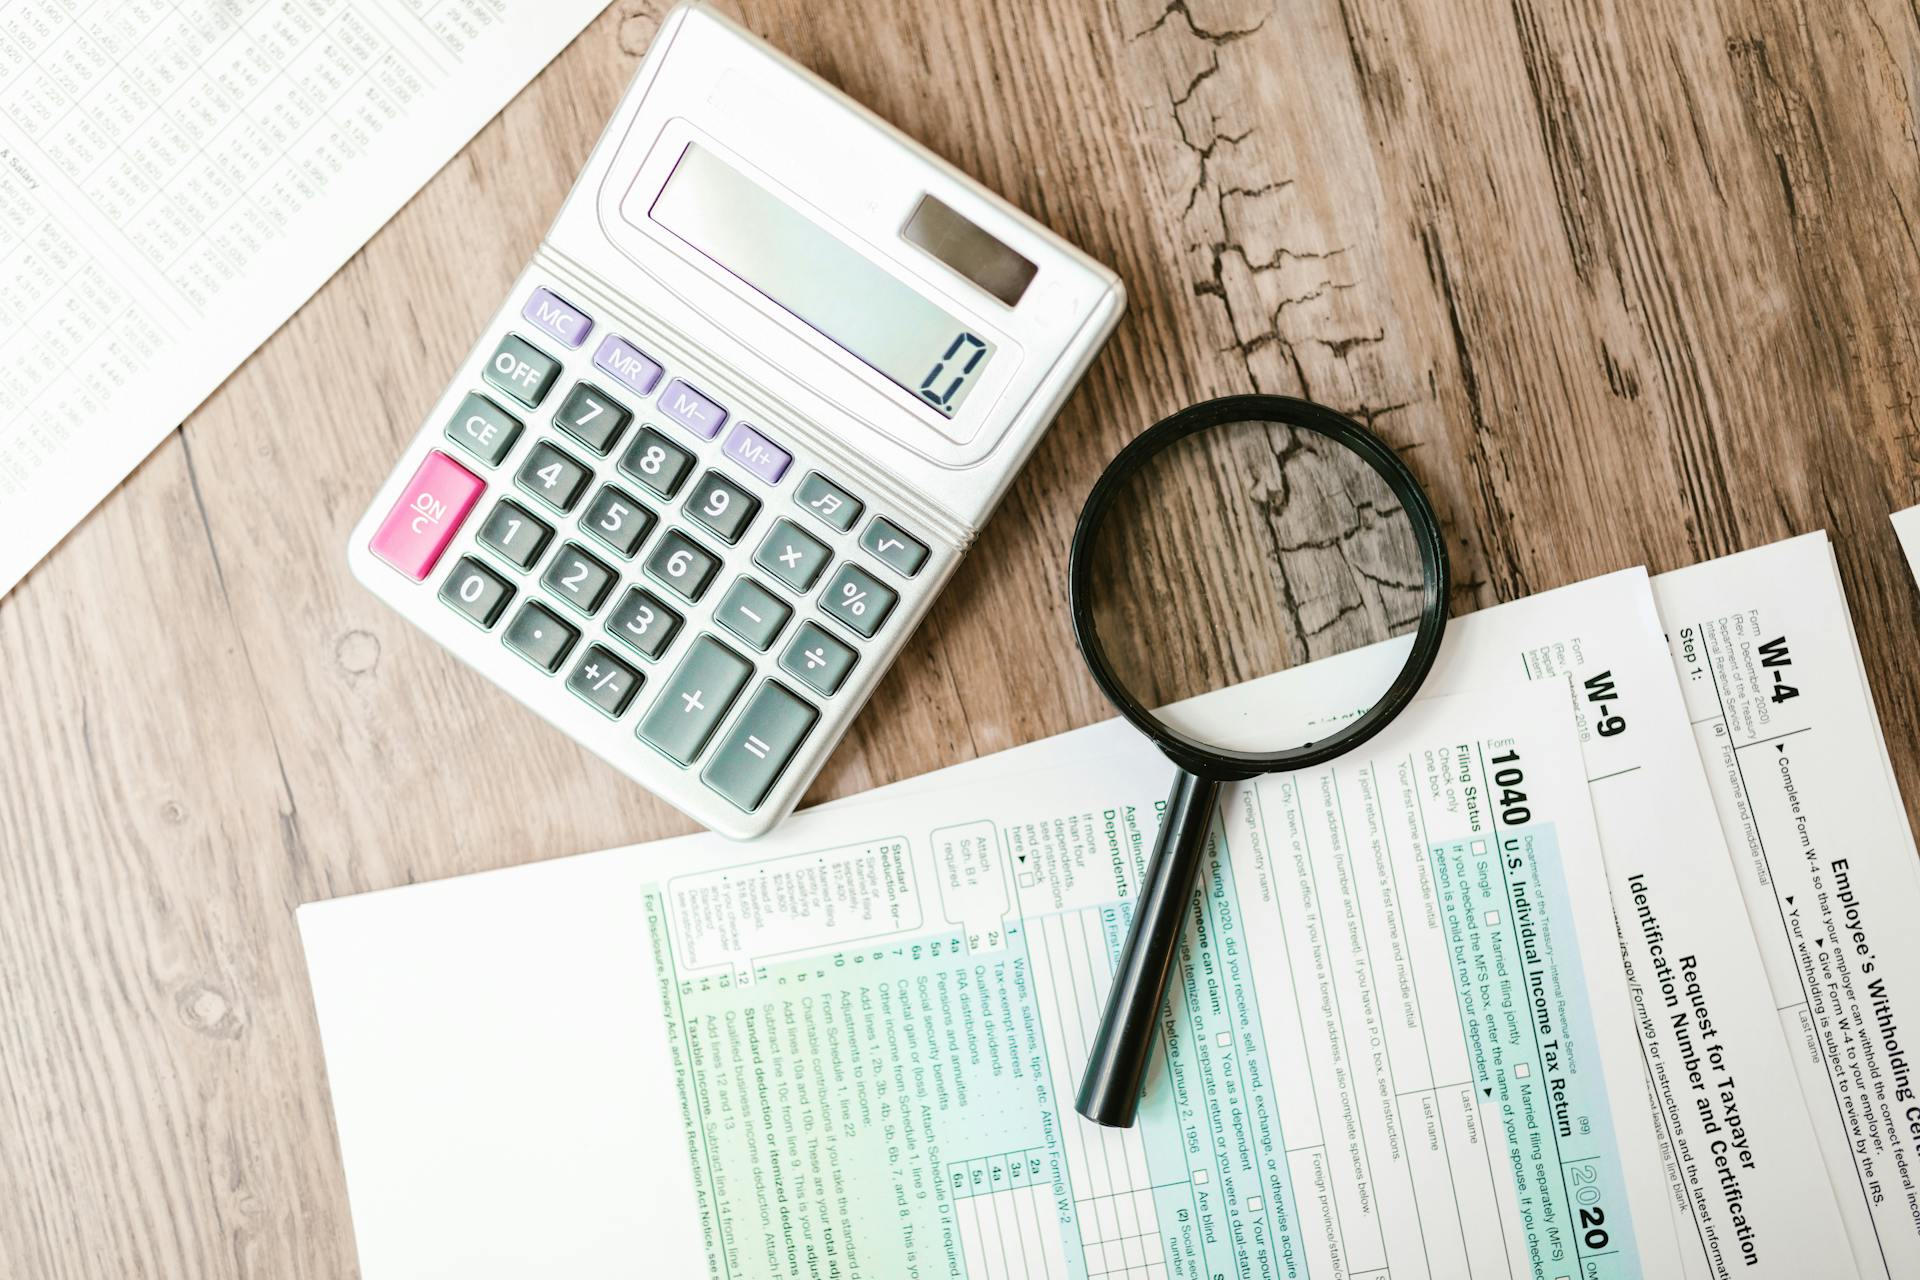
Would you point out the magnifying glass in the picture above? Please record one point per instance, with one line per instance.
(1239, 540)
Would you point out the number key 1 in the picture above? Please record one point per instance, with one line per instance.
(516, 534)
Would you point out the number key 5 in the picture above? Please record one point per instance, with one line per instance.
(618, 520)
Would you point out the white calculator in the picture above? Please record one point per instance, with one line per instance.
(735, 425)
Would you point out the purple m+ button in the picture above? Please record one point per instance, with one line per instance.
(757, 453)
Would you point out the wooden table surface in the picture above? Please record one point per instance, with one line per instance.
(1630, 284)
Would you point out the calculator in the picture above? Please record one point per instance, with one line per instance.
(760, 386)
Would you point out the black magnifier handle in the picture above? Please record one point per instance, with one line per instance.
(1110, 1089)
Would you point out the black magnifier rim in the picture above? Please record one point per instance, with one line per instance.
(1204, 759)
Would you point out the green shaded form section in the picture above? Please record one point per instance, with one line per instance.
(1530, 1037)
(879, 1111)
(1222, 1190)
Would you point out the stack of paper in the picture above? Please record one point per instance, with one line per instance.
(175, 179)
(1595, 963)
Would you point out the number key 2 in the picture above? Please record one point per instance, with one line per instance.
(579, 579)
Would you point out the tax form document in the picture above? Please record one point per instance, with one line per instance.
(1744, 1169)
(178, 176)
(1765, 651)
(1400, 1042)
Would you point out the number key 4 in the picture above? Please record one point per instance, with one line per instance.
(553, 477)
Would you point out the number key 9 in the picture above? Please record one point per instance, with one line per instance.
(722, 506)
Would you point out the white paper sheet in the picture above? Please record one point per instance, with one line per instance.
(178, 176)
(1402, 1040)
(1739, 1158)
(1765, 650)
(1907, 525)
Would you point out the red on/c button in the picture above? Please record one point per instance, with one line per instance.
(428, 514)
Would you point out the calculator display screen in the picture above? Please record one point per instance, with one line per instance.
(797, 263)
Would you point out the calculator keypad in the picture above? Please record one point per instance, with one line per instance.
(793, 555)
(578, 579)
(553, 477)
(721, 507)
(628, 523)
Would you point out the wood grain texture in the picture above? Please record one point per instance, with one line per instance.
(1625, 284)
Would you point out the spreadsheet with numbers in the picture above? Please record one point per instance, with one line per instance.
(178, 176)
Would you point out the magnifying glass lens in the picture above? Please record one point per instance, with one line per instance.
(1244, 551)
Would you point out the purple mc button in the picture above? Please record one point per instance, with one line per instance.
(631, 367)
(757, 453)
(558, 317)
(692, 410)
